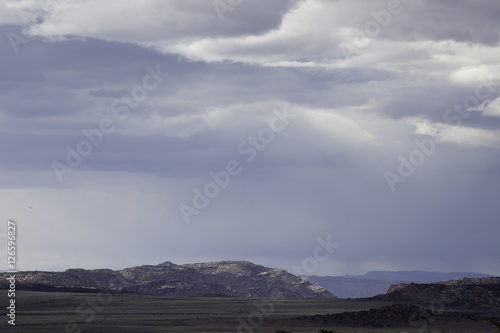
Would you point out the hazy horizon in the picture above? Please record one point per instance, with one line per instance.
(274, 267)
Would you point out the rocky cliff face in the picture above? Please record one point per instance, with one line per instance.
(378, 282)
(467, 293)
(226, 278)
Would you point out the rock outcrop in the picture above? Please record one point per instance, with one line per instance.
(469, 293)
(225, 278)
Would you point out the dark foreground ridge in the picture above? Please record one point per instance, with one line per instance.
(224, 278)
(396, 315)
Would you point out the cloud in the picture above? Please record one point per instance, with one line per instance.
(458, 135)
(491, 109)
(159, 20)
(358, 114)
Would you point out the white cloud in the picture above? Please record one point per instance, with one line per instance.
(491, 109)
(145, 21)
(463, 136)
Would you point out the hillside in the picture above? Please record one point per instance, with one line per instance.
(467, 293)
(225, 278)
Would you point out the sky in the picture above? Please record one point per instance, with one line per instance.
(332, 137)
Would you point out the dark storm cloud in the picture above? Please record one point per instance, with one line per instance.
(461, 21)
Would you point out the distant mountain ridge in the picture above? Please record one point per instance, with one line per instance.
(224, 278)
(378, 282)
(418, 276)
(344, 287)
